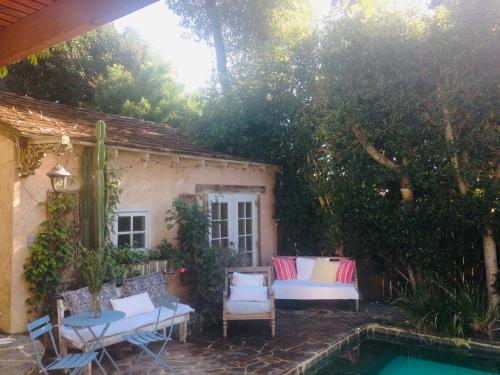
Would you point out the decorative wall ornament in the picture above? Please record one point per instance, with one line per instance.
(32, 154)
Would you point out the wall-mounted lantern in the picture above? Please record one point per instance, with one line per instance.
(58, 178)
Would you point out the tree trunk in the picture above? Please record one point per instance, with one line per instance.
(220, 49)
(489, 245)
(412, 279)
(404, 185)
(491, 266)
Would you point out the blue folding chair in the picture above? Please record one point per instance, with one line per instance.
(75, 362)
(143, 339)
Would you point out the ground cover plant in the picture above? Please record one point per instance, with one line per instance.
(456, 309)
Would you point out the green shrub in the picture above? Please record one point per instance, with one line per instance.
(166, 250)
(50, 254)
(458, 310)
(204, 264)
(129, 255)
(93, 267)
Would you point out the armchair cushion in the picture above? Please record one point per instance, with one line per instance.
(248, 293)
(248, 307)
(242, 279)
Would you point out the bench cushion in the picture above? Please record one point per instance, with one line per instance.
(78, 301)
(154, 284)
(246, 307)
(123, 325)
(313, 290)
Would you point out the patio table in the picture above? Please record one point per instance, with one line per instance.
(85, 321)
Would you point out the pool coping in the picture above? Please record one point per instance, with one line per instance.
(380, 331)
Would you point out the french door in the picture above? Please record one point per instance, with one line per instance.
(234, 223)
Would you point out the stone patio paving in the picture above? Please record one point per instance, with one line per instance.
(300, 333)
(17, 355)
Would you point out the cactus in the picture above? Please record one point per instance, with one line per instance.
(86, 205)
(99, 166)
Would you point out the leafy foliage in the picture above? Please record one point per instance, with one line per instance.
(93, 266)
(204, 264)
(49, 255)
(298, 99)
(384, 77)
(166, 250)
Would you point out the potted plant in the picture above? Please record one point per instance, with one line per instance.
(93, 267)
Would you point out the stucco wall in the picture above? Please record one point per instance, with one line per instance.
(155, 184)
(29, 212)
(7, 173)
(151, 185)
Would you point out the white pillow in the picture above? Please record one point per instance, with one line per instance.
(243, 279)
(304, 268)
(248, 293)
(134, 305)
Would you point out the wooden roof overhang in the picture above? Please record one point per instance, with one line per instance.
(30, 26)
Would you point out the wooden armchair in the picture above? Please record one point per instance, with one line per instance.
(256, 310)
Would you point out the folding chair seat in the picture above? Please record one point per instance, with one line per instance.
(75, 362)
(144, 339)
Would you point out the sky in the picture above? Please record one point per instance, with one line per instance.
(192, 60)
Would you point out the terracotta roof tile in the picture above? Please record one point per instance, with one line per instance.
(30, 116)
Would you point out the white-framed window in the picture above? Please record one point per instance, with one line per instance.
(233, 220)
(219, 224)
(132, 227)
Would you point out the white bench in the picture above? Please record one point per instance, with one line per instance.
(143, 322)
(294, 289)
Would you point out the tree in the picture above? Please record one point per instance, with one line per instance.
(108, 71)
(236, 28)
(402, 92)
(263, 116)
(466, 58)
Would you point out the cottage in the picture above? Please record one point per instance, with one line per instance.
(158, 163)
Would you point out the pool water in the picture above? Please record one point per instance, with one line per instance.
(378, 357)
(416, 366)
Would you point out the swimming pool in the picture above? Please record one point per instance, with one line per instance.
(387, 357)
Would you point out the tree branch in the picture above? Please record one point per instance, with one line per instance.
(374, 153)
(450, 140)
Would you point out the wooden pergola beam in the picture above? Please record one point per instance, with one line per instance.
(58, 22)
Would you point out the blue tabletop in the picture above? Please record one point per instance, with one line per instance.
(84, 319)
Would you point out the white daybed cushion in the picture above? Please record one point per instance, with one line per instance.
(245, 307)
(248, 293)
(310, 290)
(124, 325)
(133, 305)
(247, 279)
(304, 268)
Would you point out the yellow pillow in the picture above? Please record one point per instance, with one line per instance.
(325, 270)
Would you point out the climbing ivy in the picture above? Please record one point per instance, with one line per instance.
(50, 253)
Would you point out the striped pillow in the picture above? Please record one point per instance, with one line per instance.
(284, 267)
(345, 274)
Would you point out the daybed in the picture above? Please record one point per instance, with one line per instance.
(296, 288)
(78, 301)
